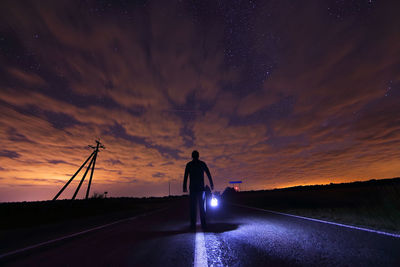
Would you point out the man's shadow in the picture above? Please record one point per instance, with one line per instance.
(220, 227)
(211, 228)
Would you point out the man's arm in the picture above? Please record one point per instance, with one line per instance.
(209, 176)
(185, 177)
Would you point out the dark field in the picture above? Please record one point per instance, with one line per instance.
(372, 204)
(26, 223)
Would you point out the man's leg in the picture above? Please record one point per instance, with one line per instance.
(193, 209)
(201, 199)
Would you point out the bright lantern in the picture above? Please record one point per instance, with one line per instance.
(214, 202)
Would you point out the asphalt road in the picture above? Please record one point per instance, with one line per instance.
(236, 236)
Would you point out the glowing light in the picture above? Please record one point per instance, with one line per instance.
(214, 202)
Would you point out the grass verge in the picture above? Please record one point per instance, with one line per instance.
(28, 223)
(372, 204)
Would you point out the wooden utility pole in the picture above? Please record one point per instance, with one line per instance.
(92, 164)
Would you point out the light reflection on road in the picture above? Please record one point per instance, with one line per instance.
(214, 251)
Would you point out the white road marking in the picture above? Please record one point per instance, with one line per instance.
(200, 254)
(322, 221)
(75, 234)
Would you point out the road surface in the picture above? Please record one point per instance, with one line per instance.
(236, 236)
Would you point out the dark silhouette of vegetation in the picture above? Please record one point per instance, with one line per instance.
(27, 214)
(98, 195)
(229, 193)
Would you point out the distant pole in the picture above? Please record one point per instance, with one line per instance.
(73, 176)
(169, 188)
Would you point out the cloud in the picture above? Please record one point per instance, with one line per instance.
(9, 154)
(158, 175)
(29, 79)
(115, 162)
(303, 95)
(57, 162)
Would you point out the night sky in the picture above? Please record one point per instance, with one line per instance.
(274, 93)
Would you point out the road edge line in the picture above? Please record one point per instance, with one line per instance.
(75, 234)
(321, 221)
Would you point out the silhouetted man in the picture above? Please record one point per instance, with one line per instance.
(195, 170)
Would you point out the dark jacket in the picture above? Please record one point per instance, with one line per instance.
(195, 169)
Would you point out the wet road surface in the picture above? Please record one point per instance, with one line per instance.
(236, 236)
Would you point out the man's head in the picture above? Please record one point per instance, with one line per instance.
(195, 154)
